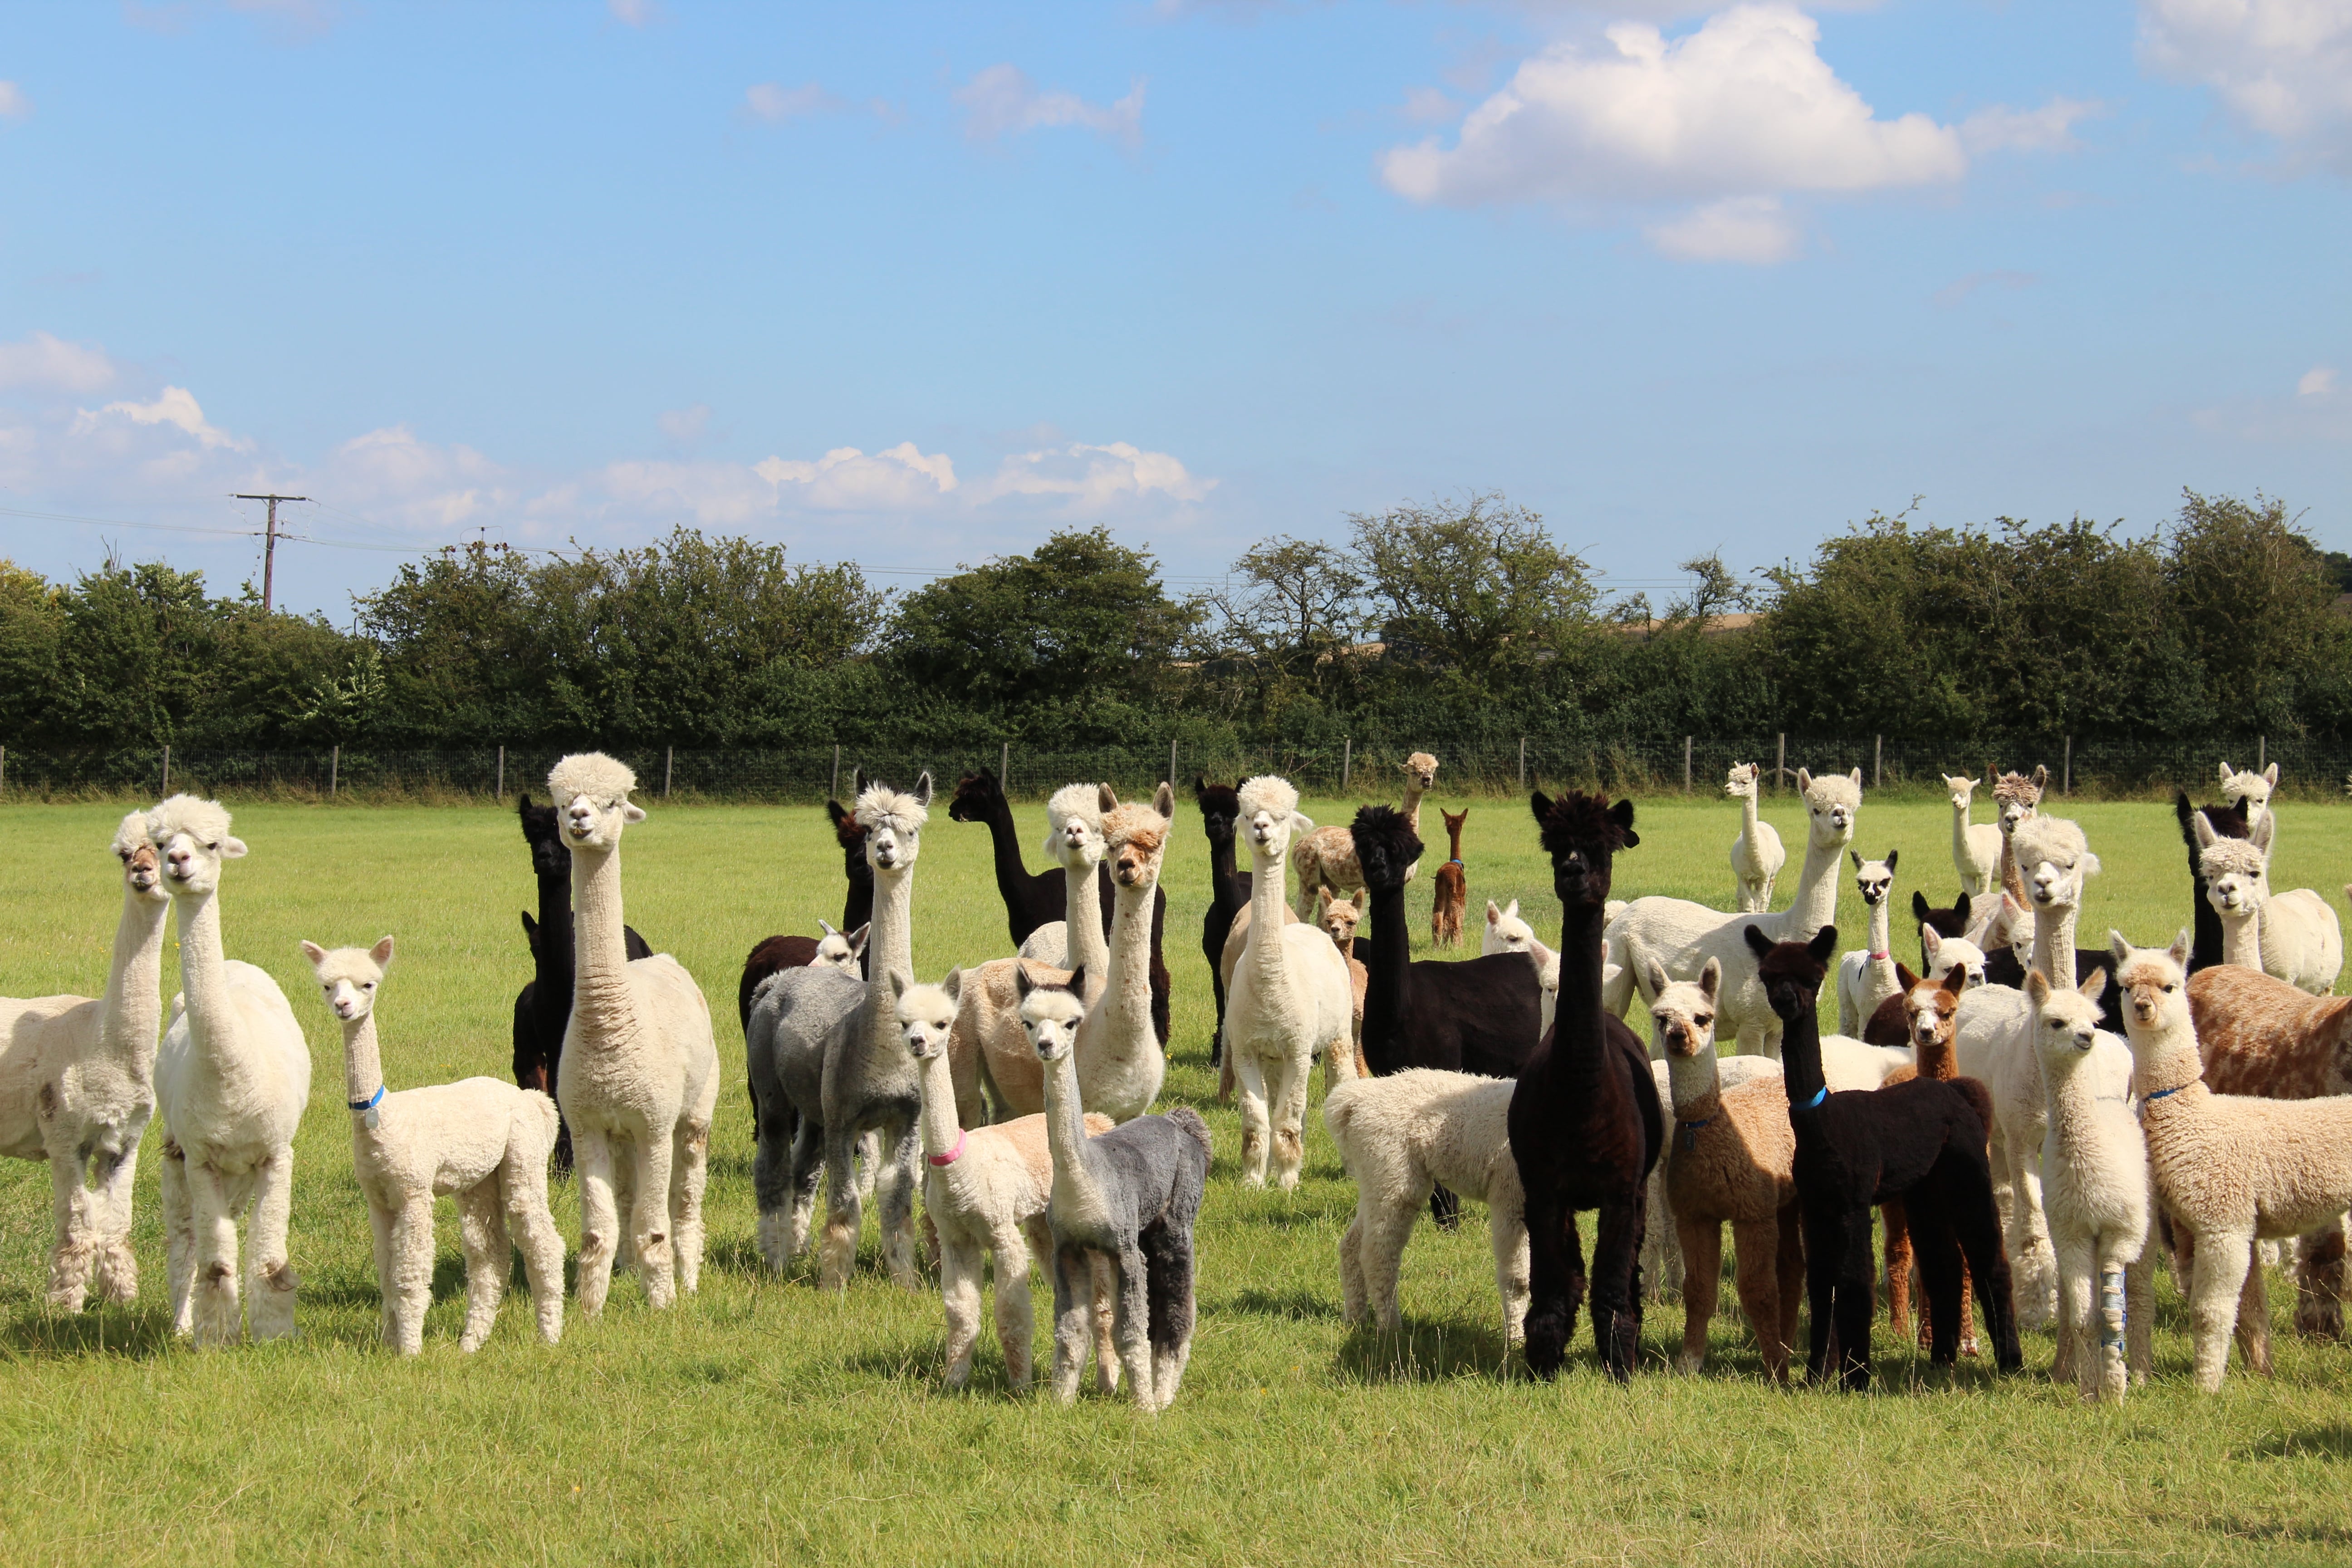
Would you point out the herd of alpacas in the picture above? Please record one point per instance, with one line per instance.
(2024, 1120)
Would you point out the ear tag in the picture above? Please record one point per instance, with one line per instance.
(372, 1118)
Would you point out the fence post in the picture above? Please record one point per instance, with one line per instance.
(1171, 761)
(502, 773)
(1686, 754)
(334, 768)
(669, 756)
(834, 793)
(2261, 753)
(1005, 764)
(1877, 761)
(2067, 780)
(167, 772)
(1779, 761)
(1523, 764)
(3, 767)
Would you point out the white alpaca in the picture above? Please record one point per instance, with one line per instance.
(2254, 789)
(78, 1087)
(1756, 854)
(1288, 1001)
(1401, 1135)
(1976, 848)
(231, 1079)
(480, 1141)
(1867, 978)
(639, 1078)
(2227, 1168)
(1119, 1062)
(993, 1063)
(2095, 1190)
(1505, 931)
(1682, 935)
(2294, 935)
(1074, 837)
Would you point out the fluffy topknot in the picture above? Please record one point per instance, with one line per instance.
(1138, 824)
(131, 836)
(2040, 839)
(2018, 787)
(1578, 820)
(1386, 846)
(879, 802)
(1268, 794)
(205, 821)
(591, 774)
(1216, 799)
(2225, 855)
(1834, 789)
(1081, 801)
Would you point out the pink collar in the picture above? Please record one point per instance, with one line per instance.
(1876, 956)
(951, 1157)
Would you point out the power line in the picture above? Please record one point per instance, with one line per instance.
(270, 550)
(125, 522)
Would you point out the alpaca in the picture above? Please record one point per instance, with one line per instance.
(1229, 891)
(2228, 1169)
(232, 1077)
(1866, 979)
(2016, 799)
(1730, 1163)
(2095, 1192)
(1956, 958)
(78, 1087)
(984, 1190)
(2252, 791)
(639, 1077)
(1682, 935)
(790, 952)
(1338, 919)
(1326, 856)
(1976, 848)
(1127, 1198)
(773, 956)
(1585, 1123)
(1923, 1142)
(1287, 1001)
(1453, 888)
(2293, 935)
(1930, 1009)
(543, 1006)
(482, 1141)
(1505, 931)
(1953, 922)
(1756, 854)
(2227, 822)
(1402, 1137)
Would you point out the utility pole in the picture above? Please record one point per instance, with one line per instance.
(269, 548)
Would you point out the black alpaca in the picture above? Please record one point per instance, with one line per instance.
(1584, 1122)
(775, 954)
(1953, 922)
(542, 1009)
(2229, 821)
(1229, 890)
(1923, 1142)
(1033, 902)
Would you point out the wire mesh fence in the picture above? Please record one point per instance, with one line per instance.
(1366, 768)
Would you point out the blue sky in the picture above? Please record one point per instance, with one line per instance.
(912, 284)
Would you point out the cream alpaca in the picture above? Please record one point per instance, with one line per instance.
(1120, 1064)
(995, 1066)
(2294, 935)
(2095, 1191)
(639, 1077)
(1867, 979)
(480, 1141)
(1287, 1003)
(2228, 1169)
(231, 1078)
(78, 1087)
(1505, 931)
(1398, 1137)
(2254, 789)
(1757, 856)
(1074, 837)
(1326, 856)
(1338, 919)
(1976, 848)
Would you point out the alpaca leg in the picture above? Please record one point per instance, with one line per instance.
(1290, 1115)
(1168, 1264)
(1964, 1188)
(274, 1282)
(1228, 1077)
(1555, 1283)
(1103, 1271)
(649, 1217)
(960, 1266)
(1386, 1231)
(1016, 1319)
(482, 1236)
(75, 1251)
(1702, 1281)
(523, 1184)
(689, 1173)
(1134, 1329)
(1825, 1228)
(600, 1221)
(380, 1220)
(1507, 1230)
(1856, 1305)
(1249, 1074)
(624, 1203)
(2077, 1358)
(2114, 1374)
(1352, 1295)
(218, 1321)
(838, 1252)
(901, 1153)
(1616, 1284)
(1073, 1308)
(1937, 1252)
(2255, 1320)
(1217, 1040)
(411, 1291)
(179, 1235)
(1661, 1247)
(807, 1171)
(117, 1271)
(2033, 1267)
(2139, 1315)
(2319, 1281)
(1789, 1271)
(1898, 1270)
(2219, 1278)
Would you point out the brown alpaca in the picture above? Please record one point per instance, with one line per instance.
(1453, 886)
(2015, 799)
(1932, 1009)
(1326, 857)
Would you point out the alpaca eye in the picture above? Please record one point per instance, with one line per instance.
(1704, 1020)
(368, 986)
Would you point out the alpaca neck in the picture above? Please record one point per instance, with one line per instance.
(858, 906)
(552, 967)
(133, 1010)
(1938, 1060)
(362, 1066)
(2012, 880)
(204, 977)
(1454, 841)
(1815, 904)
(942, 1132)
(601, 1009)
(1384, 979)
(1268, 915)
(2242, 938)
(1881, 956)
(1960, 832)
(1084, 945)
(1748, 818)
(1412, 793)
(2164, 1056)
(1801, 1055)
(1696, 1084)
(1075, 1189)
(2208, 943)
(1004, 838)
(891, 946)
(2054, 943)
(1576, 1024)
(1221, 870)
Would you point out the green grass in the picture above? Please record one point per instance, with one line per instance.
(764, 1421)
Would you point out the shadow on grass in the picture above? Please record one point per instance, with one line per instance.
(1426, 1353)
(138, 1333)
(1296, 1305)
(2331, 1442)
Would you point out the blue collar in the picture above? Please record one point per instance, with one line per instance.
(367, 1104)
(1691, 1131)
(1819, 1095)
(2160, 1093)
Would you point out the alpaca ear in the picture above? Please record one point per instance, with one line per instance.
(1540, 804)
(1855, 858)
(1163, 801)
(2118, 946)
(923, 789)
(857, 940)
(1301, 824)
(1960, 909)
(1931, 941)
(1022, 983)
(1891, 856)
(1106, 799)
(382, 953)
(2202, 829)
(2095, 985)
(2228, 774)
(1322, 900)
(1622, 813)
(632, 812)
(2259, 835)
(857, 780)
(1856, 777)
(1653, 977)
(2037, 990)
(2180, 950)
(1511, 913)
(531, 932)
(1904, 977)
(1804, 781)
(313, 951)
(1823, 944)
(1494, 915)
(2090, 864)
(1920, 908)
(1757, 943)
(953, 986)
(2269, 775)
(900, 984)
(826, 926)
(1710, 979)
(2041, 777)
(1078, 982)
(233, 848)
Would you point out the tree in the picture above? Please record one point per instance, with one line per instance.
(1475, 587)
(2255, 600)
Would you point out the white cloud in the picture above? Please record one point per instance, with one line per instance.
(846, 479)
(713, 493)
(397, 479)
(14, 104)
(684, 425)
(2319, 381)
(49, 363)
(1003, 102)
(176, 407)
(1089, 477)
(2282, 69)
(2049, 128)
(1752, 229)
(1428, 106)
(773, 104)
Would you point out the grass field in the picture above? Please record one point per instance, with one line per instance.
(763, 1421)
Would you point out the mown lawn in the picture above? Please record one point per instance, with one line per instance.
(763, 1421)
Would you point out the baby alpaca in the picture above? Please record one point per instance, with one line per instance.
(1128, 1198)
(1452, 894)
(481, 1140)
(1756, 854)
(1402, 1136)
(1340, 918)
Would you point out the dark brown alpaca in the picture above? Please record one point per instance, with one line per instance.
(1229, 891)
(1453, 886)
(1585, 1122)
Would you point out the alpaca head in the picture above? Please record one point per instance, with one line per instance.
(1873, 879)
(2155, 983)
(143, 864)
(2056, 860)
(893, 820)
(2017, 797)
(1074, 828)
(1931, 1006)
(1220, 807)
(591, 799)
(1582, 833)
(549, 857)
(1963, 790)
(1050, 1011)
(977, 796)
(1386, 846)
(926, 1014)
(1926, 913)
(2236, 871)
(2254, 789)
(850, 833)
(1135, 836)
(1505, 931)
(1454, 821)
(1419, 774)
(2066, 1017)
(1682, 1012)
(1791, 971)
(191, 838)
(1338, 919)
(348, 977)
(1742, 782)
(2010, 925)
(1832, 800)
(1269, 809)
(1953, 957)
(835, 950)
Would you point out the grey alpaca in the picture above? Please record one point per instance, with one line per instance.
(1127, 1196)
(826, 1045)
